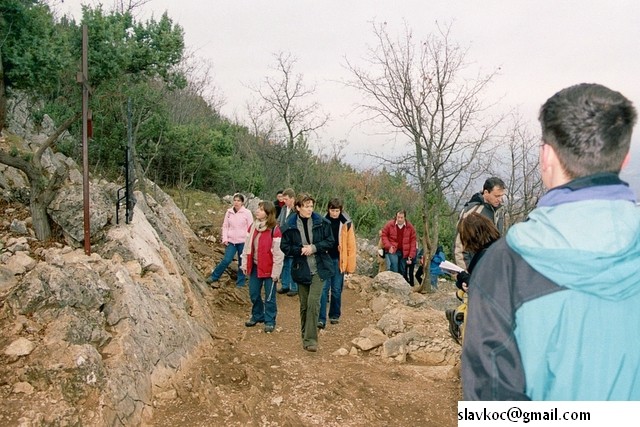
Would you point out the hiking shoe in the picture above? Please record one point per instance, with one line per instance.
(312, 348)
(320, 325)
(249, 323)
(269, 328)
(454, 329)
(292, 293)
(334, 321)
(282, 291)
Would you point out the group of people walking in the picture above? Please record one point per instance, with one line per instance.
(551, 301)
(307, 252)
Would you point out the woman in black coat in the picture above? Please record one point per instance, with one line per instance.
(307, 239)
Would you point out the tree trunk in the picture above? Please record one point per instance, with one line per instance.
(43, 188)
(43, 191)
(3, 97)
(40, 219)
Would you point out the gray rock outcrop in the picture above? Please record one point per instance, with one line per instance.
(409, 327)
(94, 338)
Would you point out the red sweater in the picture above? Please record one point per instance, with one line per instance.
(408, 245)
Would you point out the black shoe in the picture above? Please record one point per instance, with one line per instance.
(320, 325)
(269, 328)
(454, 329)
(292, 293)
(249, 323)
(282, 291)
(334, 321)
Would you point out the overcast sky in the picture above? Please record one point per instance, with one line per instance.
(540, 46)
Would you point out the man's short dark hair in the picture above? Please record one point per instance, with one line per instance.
(289, 193)
(335, 203)
(589, 126)
(492, 183)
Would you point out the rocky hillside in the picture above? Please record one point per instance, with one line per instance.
(100, 339)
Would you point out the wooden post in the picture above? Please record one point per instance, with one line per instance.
(85, 143)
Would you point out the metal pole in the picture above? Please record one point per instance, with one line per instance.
(85, 145)
(127, 160)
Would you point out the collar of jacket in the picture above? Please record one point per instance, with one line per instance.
(316, 219)
(603, 178)
(344, 218)
(601, 186)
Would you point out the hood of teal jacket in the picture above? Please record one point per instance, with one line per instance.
(591, 246)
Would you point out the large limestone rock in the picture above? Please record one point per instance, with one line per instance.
(67, 210)
(94, 337)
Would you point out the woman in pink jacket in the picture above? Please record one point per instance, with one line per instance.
(262, 261)
(237, 221)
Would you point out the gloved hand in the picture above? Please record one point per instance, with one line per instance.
(463, 277)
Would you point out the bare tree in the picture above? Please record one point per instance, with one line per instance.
(201, 99)
(124, 6)
(261, 120)
(419, 89)
(524, 185)
(290, 100)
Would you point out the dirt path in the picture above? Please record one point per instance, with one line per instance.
(249, 378)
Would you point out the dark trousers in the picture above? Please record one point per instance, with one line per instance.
(310, 295)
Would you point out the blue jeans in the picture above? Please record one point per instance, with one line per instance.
(262, 311)
(333, 284)
(396, 263)
(285, 277)
(229, 252)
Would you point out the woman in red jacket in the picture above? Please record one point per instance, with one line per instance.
(262, 262)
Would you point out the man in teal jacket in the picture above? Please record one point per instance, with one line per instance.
(553, 307)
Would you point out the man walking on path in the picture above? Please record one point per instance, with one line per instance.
(288, 286)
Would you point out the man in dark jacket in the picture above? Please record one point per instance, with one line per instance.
(307, 240)
(487, 203)
(287, 211)
(279, 202)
